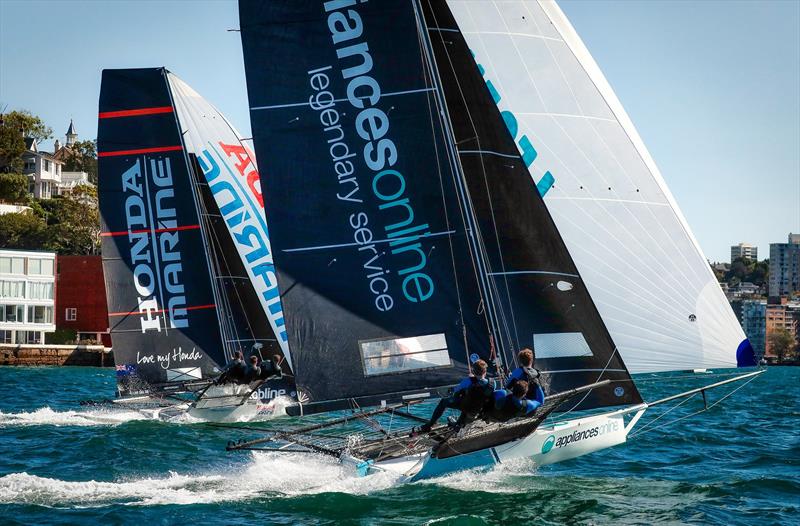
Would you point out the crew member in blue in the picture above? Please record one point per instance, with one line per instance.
(512, 404)
(270, 368)
(471, 396)
(253, 373)
(527, 372)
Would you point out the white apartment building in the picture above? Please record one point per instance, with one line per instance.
(744, 251)
(43, 171)
(27, 296)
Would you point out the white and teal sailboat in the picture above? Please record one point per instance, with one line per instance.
(449, 178)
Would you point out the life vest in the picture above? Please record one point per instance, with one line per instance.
(532, 376)
(473, 399)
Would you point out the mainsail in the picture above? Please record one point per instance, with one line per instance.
(161, 300)
(185, 243)
(630, 242)
(406, 236)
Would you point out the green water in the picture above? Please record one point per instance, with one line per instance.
(64, 464)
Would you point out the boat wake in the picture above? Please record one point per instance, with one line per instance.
(83, 417)
(268, 475)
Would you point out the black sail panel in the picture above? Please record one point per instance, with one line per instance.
(543, 302)
(370, 246)
(162, 308)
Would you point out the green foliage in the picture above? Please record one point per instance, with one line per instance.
(61, 337)
(15, 126)
(756, 272)
(83, 159)
(782, 344)
(68, 225)
(23, 231)
(13, 188)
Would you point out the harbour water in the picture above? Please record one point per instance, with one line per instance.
(61, 463)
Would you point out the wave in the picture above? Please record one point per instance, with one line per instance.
(267, 475)
(87, 417)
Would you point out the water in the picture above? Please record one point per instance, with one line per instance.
(61, 463)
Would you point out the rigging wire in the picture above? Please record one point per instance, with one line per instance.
(647, 428)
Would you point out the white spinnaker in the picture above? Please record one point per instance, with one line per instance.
(642, 265)
(233, 171)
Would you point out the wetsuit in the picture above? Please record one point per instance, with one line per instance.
(252, 374)
(506, 406)
(470, 396)
(234, 372)
(269, 369)
(530, 375)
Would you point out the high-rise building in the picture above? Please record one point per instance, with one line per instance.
(784, 267)
(780, 316)
(754, 313)
(744, 251)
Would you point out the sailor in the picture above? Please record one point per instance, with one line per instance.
(235, 371)
(253, 372)
(528, 373)
(471, 396)
(270, 368)
(513, 403)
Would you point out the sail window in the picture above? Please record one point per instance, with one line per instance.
(561, 345)
(402, 355)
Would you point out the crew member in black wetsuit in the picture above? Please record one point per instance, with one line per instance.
(270, 368)
(234, 372)
(512, 404)
(253, 373)
(471, 396)
(528, 373)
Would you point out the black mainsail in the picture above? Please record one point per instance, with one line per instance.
(407, 234)
(374, 266)
(161, 300)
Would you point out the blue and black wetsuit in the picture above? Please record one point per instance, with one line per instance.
(235, 372)
(530, 375)
(507, 406)
(470, 396)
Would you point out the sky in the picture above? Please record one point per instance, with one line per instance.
(713, 87)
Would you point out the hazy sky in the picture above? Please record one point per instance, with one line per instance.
(712, 86)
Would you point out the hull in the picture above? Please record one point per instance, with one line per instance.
(547, 445)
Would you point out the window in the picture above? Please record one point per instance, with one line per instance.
(12, 313)
(71, 314)
(404, 354)
(5, 337)
(40, 291)
(46, 165)
(40, 267)
(9, 265)
(12, 289)
(29, 337)
(40, 314)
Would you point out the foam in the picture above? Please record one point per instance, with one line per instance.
(267, 475)
(87, 417)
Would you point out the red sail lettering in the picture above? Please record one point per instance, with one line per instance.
(243, 161)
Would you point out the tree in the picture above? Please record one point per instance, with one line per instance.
(781, 343)
(14, 127)
(22, 231)
(73, 222)
(13, 188)
(83, 158)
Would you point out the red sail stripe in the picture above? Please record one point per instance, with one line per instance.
(141, 150)
(145, 230)
(135, 113)
(195, 307)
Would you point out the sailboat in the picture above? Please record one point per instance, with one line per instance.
(186, 254)
(433, 190)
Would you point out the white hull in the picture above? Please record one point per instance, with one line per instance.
(547, 445)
